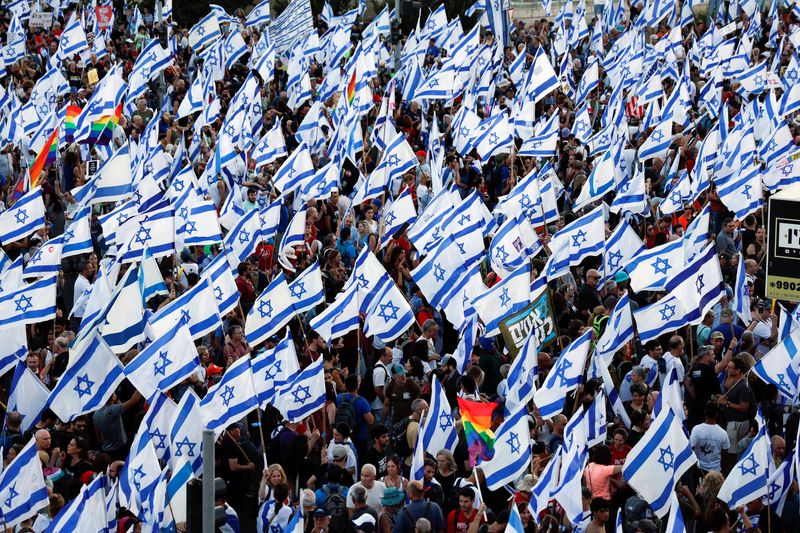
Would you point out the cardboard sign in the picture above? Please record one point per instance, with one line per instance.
(103, 15)
(92, 76)
(41, 19)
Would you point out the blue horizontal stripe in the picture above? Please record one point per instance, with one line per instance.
(31, 317)
(307, 409)
(35, 501)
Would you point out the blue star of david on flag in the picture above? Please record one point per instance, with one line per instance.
(189, 445)
(666, 458)
(667, 312)
(265, 308)
(301, 394)
(227, 395)
(505, 299)
(84, 386)
(388, 311)
(12, 493)
(749, 465)
(513, 442)
(298, 289)
(161, 364)
(661, 265)
(160, 437)
(21, 216)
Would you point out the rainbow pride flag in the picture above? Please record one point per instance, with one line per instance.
(69, 122)
(477, 420)
(45, 158)
(351, 89)
(103, 129)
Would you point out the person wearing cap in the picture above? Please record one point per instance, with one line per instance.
(322, 521)
(601, 510)
(730, 331)
(391, 501)
(399, 395)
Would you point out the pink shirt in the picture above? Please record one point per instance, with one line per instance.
(598, 479)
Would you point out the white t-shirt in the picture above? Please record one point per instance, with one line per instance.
(374, 496)
(708, 441)
(380, 377)
(81, 285)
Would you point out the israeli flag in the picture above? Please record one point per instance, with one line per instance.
(88, 509)
(221, 278)
(158, 421)
(438, 430)
(197, 307)
(294, 236)
(202, 226)
(78, 235)
(32, 303)
(164, 363)
(243, 238)
(581, 238)
(665, 315)
(505, 298)
(622, 246)
(72, 41)
(743, 194)
(651, 269)
(512, 451)
(273, 368)
(522, 375)
(46, 260)
(235, 48)
(271, 311)
(232, 398)
(658, 461)
(565, 376)
(259, 15)
(307, 290)
(388, 314)
(619, 330)
(748, 479)
(781, 365)
(339, 317)
(514, 243)
(545, 142)
(398, 158)
(204, 32)
(28, 395)
(741, 297)
(401, 212)
(304, 395)
(140, 475)
(23, 492)
(657, 144)
(91, 377)
(699, 286)
(23, 218)
(613, 395)
(186, 433)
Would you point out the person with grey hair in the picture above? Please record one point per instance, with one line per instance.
(425, 348)
(418, 508)
(57, 362)
(373, 491)
(423, 525)
(638, 375)
(361, 513)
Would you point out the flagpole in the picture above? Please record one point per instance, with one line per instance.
(261, 434)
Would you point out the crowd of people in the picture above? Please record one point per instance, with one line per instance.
(348, 466)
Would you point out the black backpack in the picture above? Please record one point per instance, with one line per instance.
(274, 454)
(346, 411)
(398, 438)
(367, 388)
(335, 504)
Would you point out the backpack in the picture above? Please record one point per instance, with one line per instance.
(335, 505)
(398, 438)
(346, 411)
(367, 388)
(274, 454)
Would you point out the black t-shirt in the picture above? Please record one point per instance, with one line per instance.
(705, 383)
(588, 298)
(376, 459)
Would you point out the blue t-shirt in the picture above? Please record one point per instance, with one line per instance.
(361, 407)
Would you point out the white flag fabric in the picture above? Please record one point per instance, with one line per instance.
(271, 311)
(23, 492)
(304, 395)
(748, 479)
(512, 451)
(230, 399)
(566, 375)
(28, 395)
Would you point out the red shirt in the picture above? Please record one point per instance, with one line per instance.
(458, 522)
(618, 456)
(246, 290)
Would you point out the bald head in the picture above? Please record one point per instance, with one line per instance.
(778, 447)
(415, 490)
(42, 440)
(559, 422)
(592, 277)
